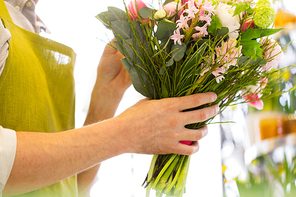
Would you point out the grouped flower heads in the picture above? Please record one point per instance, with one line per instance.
(242, 26)
(194, 46)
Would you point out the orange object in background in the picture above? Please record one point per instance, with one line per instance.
(290, 124)
(271, 127)
(283, 18)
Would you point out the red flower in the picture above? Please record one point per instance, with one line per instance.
(249, 23)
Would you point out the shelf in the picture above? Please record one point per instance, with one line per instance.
(267, 146)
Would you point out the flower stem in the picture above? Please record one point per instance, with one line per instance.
(191, 29)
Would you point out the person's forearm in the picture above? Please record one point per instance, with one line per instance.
(104, 103)
(103, 106)
(43, 159)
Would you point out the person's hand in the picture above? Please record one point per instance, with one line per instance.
(112, 81)
(158, 126)
(110, 73)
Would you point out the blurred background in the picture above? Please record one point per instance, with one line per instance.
(254, 155)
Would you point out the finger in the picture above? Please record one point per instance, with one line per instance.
(194, 134)
(195, 100)
(187, 150)
(200, 115)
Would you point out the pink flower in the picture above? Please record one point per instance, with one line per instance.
(207, 6)
(192, 10)
(205, 17)
(172, 7)
(177, 37)
(197, 4)
(133, 7)
(218, 73)
(258, 104)
(202, 30)
(183, 22)
(228, 53)
(272, 53)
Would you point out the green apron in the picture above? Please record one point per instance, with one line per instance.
(37, 91)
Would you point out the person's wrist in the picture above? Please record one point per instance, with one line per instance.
(103, 104)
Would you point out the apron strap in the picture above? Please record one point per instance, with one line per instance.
(4, 12)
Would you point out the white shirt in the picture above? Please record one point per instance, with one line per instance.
(22, 13)
(7, 154)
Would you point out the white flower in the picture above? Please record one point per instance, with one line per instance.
(160, 14)
(225, 13)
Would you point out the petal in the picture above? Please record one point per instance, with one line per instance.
(257, 104)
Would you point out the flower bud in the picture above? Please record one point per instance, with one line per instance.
(249, 23)
(172, 7)
(160, 14)
(133, 7)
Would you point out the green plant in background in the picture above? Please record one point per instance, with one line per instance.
(267, 178)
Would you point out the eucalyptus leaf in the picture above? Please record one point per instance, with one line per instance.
(146, 12)
(126, 65)
(116, 14)
(194, 60)
(118, 46)
(178, 51)
(221, 33)
(122, 28)
(168, 64)
(165, 29)
(139, 32)
(103, 17)
(145, 88)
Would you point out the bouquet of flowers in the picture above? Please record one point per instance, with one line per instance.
(194, 46)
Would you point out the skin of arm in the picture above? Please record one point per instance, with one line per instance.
(43, 159)
(112, 81)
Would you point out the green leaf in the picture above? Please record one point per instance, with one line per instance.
(194, 60)
(243, 60)
(251, 33)
(135, 74)
(146, 12)
(178, 51)
(215, 25)
(250, 46)
(139, 33)
(103, 17)
(116, 14)
(241, 7)
(168, 64)
(130, 50)
(164, 91)
(221, 33)
(122, 28)
(118, 46)
(165, 29)
(126, 65)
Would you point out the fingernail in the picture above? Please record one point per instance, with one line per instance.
(196, 148)
(215, 97)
